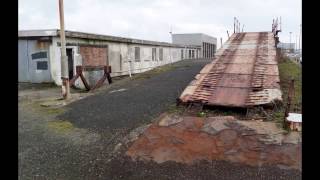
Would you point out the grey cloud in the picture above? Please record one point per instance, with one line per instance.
(152, 20)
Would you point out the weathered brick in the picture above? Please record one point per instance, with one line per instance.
(93, 56)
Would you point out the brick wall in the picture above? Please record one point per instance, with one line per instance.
(93, 56)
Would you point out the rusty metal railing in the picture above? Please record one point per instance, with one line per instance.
(80, 69)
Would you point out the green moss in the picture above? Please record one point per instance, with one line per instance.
(202, 114)
(60, 126)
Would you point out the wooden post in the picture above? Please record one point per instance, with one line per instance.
(64, 57)
(290, 96)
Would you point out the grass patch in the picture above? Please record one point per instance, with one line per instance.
(202, 114)
(288, 70)
(54, 110)
(60, 126)
(174, 109)
(37, 106)
(158, 70)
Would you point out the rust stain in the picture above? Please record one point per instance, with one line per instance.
(187, 142)
(243, 73)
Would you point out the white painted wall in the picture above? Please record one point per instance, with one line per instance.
(115, 49)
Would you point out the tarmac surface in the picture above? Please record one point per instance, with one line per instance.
(81, 142)
(131, 103)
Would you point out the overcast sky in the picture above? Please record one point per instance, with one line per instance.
(153, 19)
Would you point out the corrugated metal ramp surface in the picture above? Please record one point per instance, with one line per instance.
(244, 72)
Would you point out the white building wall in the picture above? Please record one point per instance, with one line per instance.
(121, 58)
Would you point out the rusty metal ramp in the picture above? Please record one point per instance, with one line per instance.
(243, 73)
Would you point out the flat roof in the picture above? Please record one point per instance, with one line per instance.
(84, 35)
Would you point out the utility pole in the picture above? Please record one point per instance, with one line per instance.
(296, 45)
(290, 42)
(300, 40)
(234, 25)
(64, 58)
(171, 42)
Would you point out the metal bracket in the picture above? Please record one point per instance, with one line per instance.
(79, 70)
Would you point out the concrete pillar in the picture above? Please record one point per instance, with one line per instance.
(208, 50)
(211, 50)
(209, 53)
(206, 45)
(202, 50)
(205, 50)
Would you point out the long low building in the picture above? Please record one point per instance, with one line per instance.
(207, 43)
(39, 55)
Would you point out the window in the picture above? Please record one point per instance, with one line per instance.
(154, 52)
(181, 53)
(39, 55)
(137, 53)
(160, 54)
(42, 65)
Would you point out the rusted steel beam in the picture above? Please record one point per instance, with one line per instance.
(79, 70)
(73, 80)
(289, 99)
(79, 74)
(106, 75)
(101, 81)
(85, 82)
(243, 73)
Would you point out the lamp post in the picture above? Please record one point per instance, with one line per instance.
(290, 42)
(300, 40)
(169, 46)
(64, 57)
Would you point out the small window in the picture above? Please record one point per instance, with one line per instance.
(39, 55)
(181, 53)
(160, 54)
(137, 53)
(154, 51)
(42, 65)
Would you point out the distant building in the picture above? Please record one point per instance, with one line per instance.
(39, 55)
(287, 47)
(206, 43)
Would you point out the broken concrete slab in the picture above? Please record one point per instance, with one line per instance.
(213, 125)
(169, 119)
(216, 138)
